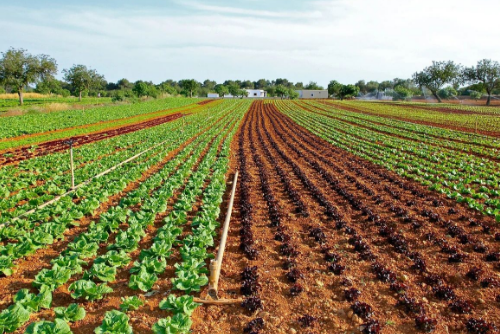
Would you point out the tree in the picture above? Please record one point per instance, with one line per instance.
(487, 72)
(233, 88)
(447, 92)
(166, 88)
(334, 88)
(49, 86)
(190, 86)
(313, 86)
(348, 91)
(271, 91)
(82, 78)
(221, 90)
(247, 84)
(362, 86)
(385, 85)
(372, 87)
(283, 82)
(124, 84)
(292, 94)
(261, 84)
(402, 93)
(281, 91)
(437, 75)
(18, 69)
(242, 93)
(209, 84)
(141, 88)
(475, 95)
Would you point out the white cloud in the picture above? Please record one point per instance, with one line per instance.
(251, 12)
(341, 39)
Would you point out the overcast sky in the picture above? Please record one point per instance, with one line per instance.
(346, 40)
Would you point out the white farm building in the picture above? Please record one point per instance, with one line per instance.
(252, 93)
(256, 93)
(313, 94)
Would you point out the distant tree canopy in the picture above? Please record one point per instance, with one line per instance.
(447, 93)
(313, 85)
(292, 93)
(190, 86)
(348, 91)
(51, 86)
(281, 90)
(486, 73)
(83, 79)
(141, 89)
(221, 90)
(334, 88)
(437, 75)
(18, 69)
(402, 93)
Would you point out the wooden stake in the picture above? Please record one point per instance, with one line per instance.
(219, 301)
(216, 264)
(72, 166)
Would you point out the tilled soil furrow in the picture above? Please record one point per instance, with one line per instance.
(282, 136)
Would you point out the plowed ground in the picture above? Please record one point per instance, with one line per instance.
(322, 203)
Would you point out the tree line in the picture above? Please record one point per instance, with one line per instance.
(21, 71)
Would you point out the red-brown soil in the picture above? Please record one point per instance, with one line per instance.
(23, 153)
(355, 205)
(202, 103)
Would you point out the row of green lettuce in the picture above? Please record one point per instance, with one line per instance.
(104, 267)
(26, 186)
(49, 224)
(35, 123)
(190, 273)
(460, 141)
(459, 116)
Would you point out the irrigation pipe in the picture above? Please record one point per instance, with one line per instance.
(216, 264)
(81, 185)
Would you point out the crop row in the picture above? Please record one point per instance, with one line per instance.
(423, 131)
(151, 261)
(394, 239)
(37, 123)
(482, 146)
(31, 190)
(455, 117)
(41, 228)
(463, 177)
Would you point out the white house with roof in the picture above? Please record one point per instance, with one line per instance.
(313, 94)
(252, 93)
(256, 93)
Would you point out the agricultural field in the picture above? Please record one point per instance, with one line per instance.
(348, 217)
(474, 119)
(33, 100)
